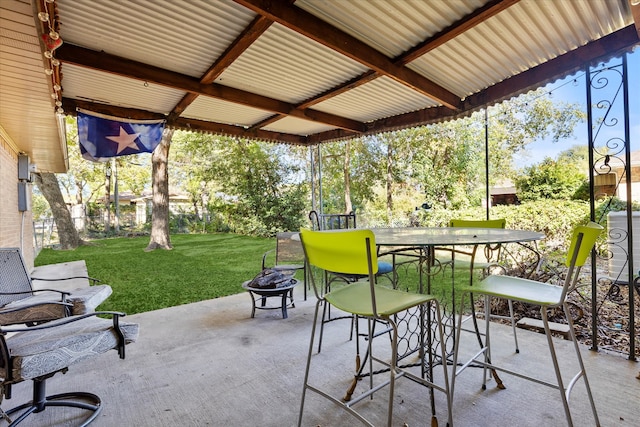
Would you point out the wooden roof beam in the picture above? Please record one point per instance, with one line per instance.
(602, 49)
(571, 62)
(70, 105)
(132, 69)
(477, 17)
(314, 28)
(250, 34)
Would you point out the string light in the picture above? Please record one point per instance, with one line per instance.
(548, 93)
(52, 41)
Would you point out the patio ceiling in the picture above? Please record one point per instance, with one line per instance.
(301, 72)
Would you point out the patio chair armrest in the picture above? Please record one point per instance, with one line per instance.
(34, 310)
(58, 322)
(63, 294)
(264, 258)
(115, 317)
(5, 309)
(92, 280)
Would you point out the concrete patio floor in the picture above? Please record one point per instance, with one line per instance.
(211, 364)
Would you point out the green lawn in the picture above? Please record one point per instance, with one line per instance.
(200, 267)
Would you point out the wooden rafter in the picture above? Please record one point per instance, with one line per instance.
(102, 61)
(269, 12)
(477, 17)
(571, 62)
(568, 63)
(314, 28)
(260, 24)
(71, 105)
(457, 28)
(254, 30)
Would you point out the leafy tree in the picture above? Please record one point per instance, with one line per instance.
(258, 187)
(447, 162)
(443, 165)
(516, 123)
(267, 197)
(39, 205)
(350, 171)
(577, 155)
(549, 179)
(192, 154)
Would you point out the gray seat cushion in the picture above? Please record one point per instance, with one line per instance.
(40, 352)
(84, 300)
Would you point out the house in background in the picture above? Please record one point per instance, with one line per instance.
(611, 183)
(178, 204)
(503, 193)
(614, 182)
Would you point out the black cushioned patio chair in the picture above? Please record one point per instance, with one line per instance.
(17, 292)
(38, 352)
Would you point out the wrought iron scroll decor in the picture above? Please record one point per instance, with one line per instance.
(609, 146)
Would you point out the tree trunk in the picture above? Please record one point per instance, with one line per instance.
(67, 233)
(160, 209)
(348, 207)
(389, 183)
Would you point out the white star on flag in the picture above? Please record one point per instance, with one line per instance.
(124, 140)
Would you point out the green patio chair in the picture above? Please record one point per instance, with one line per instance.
(491, 255)
(385, 269)
(546, 296)
(354, 252)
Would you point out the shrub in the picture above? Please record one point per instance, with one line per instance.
(554, 218)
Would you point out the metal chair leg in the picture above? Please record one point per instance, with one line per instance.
(308, 365)
(581, 363)
(513, 326)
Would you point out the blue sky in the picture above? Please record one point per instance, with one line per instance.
(572, 89)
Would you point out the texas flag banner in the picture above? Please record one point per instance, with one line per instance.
(102, 137)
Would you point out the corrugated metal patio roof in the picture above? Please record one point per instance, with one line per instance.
(298, 72)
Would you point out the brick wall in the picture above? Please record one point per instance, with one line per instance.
(16, 228)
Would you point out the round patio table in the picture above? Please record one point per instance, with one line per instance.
(424, 240)
(450, 236)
